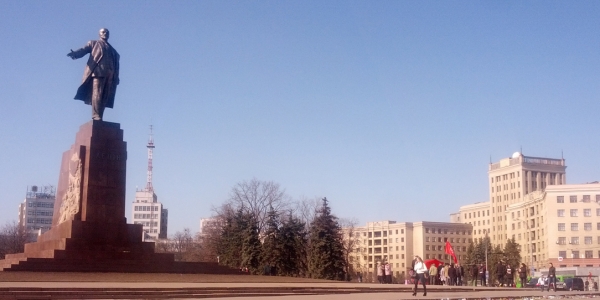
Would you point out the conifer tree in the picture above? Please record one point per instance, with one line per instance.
(251, 247)
(325, 254)
(293, 248)
(230, 242)
(513, 255)
(271, 247)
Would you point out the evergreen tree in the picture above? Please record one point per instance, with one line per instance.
(470, 260)
(251, 247)
(326, 255)
(229, 245)
(293, 248)
(513, 256)
(271, 247)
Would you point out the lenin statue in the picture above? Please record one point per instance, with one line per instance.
(101, 75)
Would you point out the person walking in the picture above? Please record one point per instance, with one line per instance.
(474, 273)
(482, 271)
(509, 276)
(388, 273)
(500, 272)
(523, 274)
(451, 275)
(460, 273)
(432, 274)
(380, 273)
(552, 277)
(421, 271)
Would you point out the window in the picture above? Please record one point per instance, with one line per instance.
(574, 240)
(588, 240)
(427, 239)
(575, 254)
(587, 226)
(427, 247)
(598, 212)
(586, 199)
(573, 199)
(426, 230)
(588, 254)
(562, 254)
(573, 212)
(574, 226)
(560, 199)
(587, 212)
(561, 212)
(562, 240)
(561, 226)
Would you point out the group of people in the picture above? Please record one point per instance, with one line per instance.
(384, 273)
(446, 274)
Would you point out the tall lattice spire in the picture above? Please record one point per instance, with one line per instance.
(150, 147)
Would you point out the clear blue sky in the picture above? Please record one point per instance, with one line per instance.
(391, 109)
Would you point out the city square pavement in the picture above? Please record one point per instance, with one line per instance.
(29, 285)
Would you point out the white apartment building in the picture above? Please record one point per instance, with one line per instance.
(151, 214)
(37, 210)
(397, 243)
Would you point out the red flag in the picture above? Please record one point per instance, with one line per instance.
(450, 251)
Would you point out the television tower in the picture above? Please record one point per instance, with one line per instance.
(150, 147)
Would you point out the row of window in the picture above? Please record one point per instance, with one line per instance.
(445, 231)
(587, 212)
(576, 254)
(41, 204)
(39, 221)
(145, 208)
(39, 213)
(575, 226)
(573, 199)
(481, 213)
(440, 239)
(441, 248)
(588, 240)
(145, 216)
(147, 224)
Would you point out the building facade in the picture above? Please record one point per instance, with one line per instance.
(37, 210)
(397, 243)
(511, 179)
(150, 213)
(477, 215)
(560, 225)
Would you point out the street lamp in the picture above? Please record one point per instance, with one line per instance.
(486, 260)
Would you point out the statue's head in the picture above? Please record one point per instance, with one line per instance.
(104, 34)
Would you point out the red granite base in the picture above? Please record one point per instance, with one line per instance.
(89, 231)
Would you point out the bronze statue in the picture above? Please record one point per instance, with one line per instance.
(101, 75)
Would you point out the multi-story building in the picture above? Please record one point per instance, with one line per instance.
(36, 211)
(511, 179)
(397, 243)
(151, 214)
(477, 215)
(146, 208)
(560, 225)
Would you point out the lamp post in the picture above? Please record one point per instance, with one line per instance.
(486, 260)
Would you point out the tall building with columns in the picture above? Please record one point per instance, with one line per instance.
(511, 179)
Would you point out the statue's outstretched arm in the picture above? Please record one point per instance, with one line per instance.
(81, 52)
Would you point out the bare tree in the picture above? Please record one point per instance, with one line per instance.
(257, 197)
(12, 238)
(350, 242)
(306, 209)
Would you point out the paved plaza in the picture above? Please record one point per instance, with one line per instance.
(31, 285)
